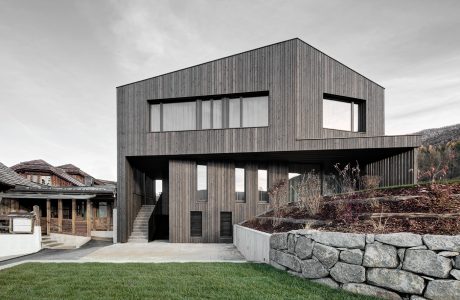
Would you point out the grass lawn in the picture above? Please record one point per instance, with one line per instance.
(160, 281)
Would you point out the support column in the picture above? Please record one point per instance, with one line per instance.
(89, 224)
(48, 216)
(60, 215)
(74, 215)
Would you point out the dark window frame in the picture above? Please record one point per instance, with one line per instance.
(362, 112)
(198, 106)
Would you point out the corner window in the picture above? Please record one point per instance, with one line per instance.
(240, 191)
(202, 182)
(347, 115)
(262, 184)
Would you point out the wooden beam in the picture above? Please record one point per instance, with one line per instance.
(88, 217)
(48, 216)
(74, 214)
(60, 215)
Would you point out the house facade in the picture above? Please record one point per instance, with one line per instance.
(69, 201)
(204, 144)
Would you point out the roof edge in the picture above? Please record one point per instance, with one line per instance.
(254, 49)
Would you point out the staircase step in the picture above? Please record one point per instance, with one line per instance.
(53, 245)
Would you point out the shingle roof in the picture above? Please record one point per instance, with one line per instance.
(11, 178)
(74, 170)
(41, 165)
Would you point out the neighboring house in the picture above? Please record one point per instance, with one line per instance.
(213, 138)
(67, 204)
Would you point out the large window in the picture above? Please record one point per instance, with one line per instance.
(202, 182)
(224, 112)
(240, 186)
(262, 182)
(347, 115)
(179, 116)
(255, 112)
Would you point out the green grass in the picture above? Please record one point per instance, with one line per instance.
(158, 281)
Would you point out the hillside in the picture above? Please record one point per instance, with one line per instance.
(440, 136)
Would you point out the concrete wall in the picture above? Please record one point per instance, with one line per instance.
(389, 266)
(253, 244)
(20, 244)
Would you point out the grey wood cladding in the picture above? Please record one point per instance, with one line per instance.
(295, 75)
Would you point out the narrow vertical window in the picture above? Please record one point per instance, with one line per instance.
(202, 182)
(196, 223)
(158, 188)
(217, 114)
(155, 117)
(262, 182)
(234, 114)
(240, 192)
(205, 114)
(226, 226)
(356, 117)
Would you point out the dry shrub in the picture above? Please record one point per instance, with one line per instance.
(349, 177)
(279, 198)
(370, 183)
(308, 191)
(379, 224)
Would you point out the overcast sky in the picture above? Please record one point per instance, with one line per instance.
(60, 61)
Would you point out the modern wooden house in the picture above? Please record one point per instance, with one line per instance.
(67, 204)
(201, 146)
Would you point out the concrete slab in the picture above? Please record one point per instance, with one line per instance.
(160, 251)
(154, 252)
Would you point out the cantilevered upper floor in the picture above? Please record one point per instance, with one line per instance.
(287, 96)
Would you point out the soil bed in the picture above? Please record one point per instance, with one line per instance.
(360, 212)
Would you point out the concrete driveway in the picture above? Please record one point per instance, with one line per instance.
(154, 252)
(161, 251)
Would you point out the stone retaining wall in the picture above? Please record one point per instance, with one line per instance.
(390, 266)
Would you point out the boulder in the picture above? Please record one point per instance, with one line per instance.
(340, 239)
(413, 297)
(328, 256)
(457, 262)
(346, 273)
(312, 268)
(369, 290)
(277, 265)
(443, 289)
(370, 238)
(304, 247)
(396, 280)
(327, 281)
(448, 253)
(442, 242)
(427, 262)
(401, 254)
(400, 239)
(352, 256)
(455, 273)
(291, 243)
(378, 255)
(287, 260)
(278, 241)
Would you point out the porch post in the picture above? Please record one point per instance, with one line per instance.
(74, 214)
(48, 216)
(88, 217)
(60, 215)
